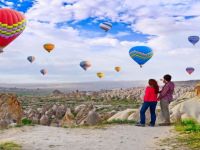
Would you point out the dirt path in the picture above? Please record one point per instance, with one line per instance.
(118, 137)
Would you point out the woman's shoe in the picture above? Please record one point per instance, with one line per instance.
(151, 125)
(139, 124)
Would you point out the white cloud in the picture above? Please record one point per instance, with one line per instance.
(172, 50)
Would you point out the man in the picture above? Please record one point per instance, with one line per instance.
(165, 97)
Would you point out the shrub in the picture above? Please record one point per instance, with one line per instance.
(10, 146)
(26, 121)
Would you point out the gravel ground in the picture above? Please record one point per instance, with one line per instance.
(119, 137)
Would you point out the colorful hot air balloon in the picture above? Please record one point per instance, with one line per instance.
(100, 74)
(85, 65)
(193, 39)
(118, 69)
(12, 24)
(190, 70)
(43, 71)
(49, 47)
(141, 54)
(106, 26)
(31, 59)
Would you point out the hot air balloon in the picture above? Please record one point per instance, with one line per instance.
(118, 69)
(43, 71)
(193, 39)
(49, 47)
(141, 54)
(12, 24)
(31, 59)
(85, 64)
(100, 74)
(190, 70)
(106, 26)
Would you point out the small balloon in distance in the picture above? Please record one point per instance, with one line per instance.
(49, 47)
(190, 70)
(117, 68)
(31, 59)
(85, 65)
(43, 71)
(106, 26)
(100, 74)
(193, 39)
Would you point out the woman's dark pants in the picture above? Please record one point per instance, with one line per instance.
(145, 106)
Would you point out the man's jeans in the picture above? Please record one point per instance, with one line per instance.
(145, 106)
(164, 105)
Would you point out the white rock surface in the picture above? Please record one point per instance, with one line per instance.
(122, 115)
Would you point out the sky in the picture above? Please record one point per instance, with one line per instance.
(73, 26)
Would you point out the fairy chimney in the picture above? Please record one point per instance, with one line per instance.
(197, 90)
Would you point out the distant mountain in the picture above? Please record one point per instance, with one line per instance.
(84, 86)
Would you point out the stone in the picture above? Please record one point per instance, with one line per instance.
(60, 112)
(78, 108)
(92, 118)
(122, 115)
(187, 109)
(44, 120)
(3, 124)
(82, 114)
(68, 119)
(35, 120)
(10, 108)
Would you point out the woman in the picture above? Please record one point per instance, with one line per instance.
(150, 101)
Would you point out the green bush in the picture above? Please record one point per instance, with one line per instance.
(188, 125)
(10, 146)
(190, 136)
(26, 121)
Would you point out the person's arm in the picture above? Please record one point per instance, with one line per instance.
(164, 91)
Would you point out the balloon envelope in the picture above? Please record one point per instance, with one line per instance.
(193, 39)
(49, 47)
(43, 71)
(12, 24)
(118, 69)
(31, 59)
(141, 54)
(190, 70)
(100, 74)
(85, 65)
(106, 26)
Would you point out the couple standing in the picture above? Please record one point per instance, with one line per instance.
(152, 96)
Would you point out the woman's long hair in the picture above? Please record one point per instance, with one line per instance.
(153, 83)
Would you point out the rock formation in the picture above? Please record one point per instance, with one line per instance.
(10, 110)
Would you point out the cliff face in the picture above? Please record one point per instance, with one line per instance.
(10, 109)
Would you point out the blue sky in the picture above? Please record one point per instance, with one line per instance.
(73, 26)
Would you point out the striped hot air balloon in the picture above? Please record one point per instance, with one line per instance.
(106, 26)
(12, 24)
(141, 54)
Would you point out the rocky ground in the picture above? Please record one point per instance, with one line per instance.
(118, 137)
(89, 108)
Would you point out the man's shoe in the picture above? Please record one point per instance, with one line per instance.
(139, 124)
